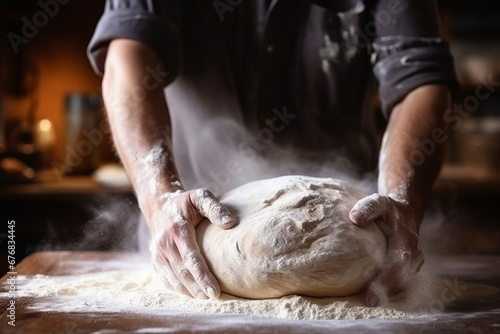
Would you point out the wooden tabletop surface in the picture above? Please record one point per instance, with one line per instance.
(482, 315)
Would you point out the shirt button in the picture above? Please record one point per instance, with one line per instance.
(270, 48)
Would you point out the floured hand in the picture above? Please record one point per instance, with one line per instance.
(398, 221)
(176, 255)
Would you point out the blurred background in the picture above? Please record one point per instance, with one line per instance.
(62, 184)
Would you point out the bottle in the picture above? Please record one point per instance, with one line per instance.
(82, 120)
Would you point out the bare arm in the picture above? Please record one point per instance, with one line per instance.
(133, 94)
(406, 171)
(139, 118)
(406, 175)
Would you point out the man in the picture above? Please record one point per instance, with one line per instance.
(303, 71)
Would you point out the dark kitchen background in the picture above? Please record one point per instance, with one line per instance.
(61, 182)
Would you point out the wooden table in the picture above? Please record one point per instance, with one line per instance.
(481, 316)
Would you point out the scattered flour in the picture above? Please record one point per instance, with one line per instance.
(133, 287)
(152, 164)
(140, 291)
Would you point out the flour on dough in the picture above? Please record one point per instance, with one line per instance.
(293, 237)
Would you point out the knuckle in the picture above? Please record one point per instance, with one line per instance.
(372, 200)
(178, 220)
(218, 209)
(405, 255)
(413, 246)
(176, 229)
(177, 286)
(195, 265)
(181, 233)
(162, 242)
(190, 258)
(375, 197)
(411, 259)
(182, 273)
(204, 193)
(158, 260)
(206, 202)
(368, 210)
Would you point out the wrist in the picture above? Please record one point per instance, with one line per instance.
(413, 206)
(152, 201)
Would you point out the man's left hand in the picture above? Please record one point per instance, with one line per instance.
(399, 222)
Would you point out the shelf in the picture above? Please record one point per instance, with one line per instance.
(66, 186)
(468, 180)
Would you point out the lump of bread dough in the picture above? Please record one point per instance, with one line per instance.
(293, 237)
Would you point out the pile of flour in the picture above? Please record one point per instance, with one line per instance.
(139, 291)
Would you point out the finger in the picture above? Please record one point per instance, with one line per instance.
(208, 206)
(400, 267)
(385, 284)
(183, 277)
(167, 276)
(158, 263)
(170, 267)
(368, 209)
(197, 266)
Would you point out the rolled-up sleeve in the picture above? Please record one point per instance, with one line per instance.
(155, 23)
(408, 50)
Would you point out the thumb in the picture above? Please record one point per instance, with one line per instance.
(208, 206)
(385, 284)
(367, 209)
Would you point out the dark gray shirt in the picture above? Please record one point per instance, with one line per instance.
(298, 74)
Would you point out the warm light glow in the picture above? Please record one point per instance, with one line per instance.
(45, 125)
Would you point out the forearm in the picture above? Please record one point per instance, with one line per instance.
(406, 172)
(139, 118)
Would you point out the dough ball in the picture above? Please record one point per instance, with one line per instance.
(294, 237)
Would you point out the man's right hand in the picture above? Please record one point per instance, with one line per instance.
(141, 129)
(176, 255)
